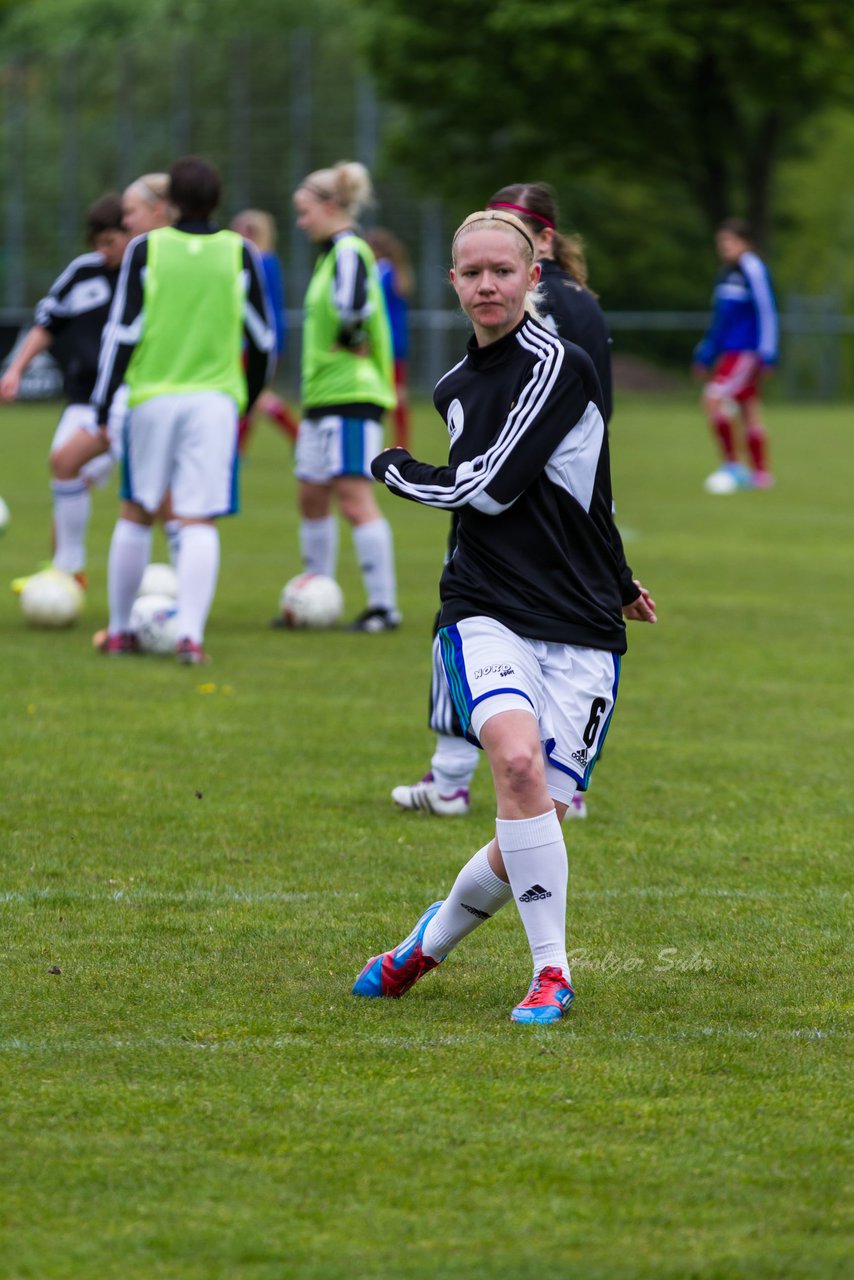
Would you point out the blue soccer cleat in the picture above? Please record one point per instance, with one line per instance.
(394, 972)
(548, 999)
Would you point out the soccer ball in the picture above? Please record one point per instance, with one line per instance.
(311, 600)
(154, 621)
(5, 517)
(159, 580)
(52, 599)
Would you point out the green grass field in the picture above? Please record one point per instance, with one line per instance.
(209, 856)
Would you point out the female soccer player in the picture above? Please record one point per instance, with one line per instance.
(347, 383)
(74, 312)
(567, 307)
(741, 347)
(532, 605)
(188, 298)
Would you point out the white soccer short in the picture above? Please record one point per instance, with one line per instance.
(570, 690)
(81, 417)
(187, 443)
(335, 446)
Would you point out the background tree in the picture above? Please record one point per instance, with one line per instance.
(702, 98)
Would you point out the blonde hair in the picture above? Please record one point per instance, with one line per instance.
(499, 220)
(347, 183)
(151, 187)
(258, 226)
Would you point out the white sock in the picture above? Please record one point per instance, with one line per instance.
(534, 856)
(476, 896)
(172, 529)
(375, 553)
(72, 505)
(453, 764)
(97, 471)
(198, 570)
(130, 550)
(318, 544)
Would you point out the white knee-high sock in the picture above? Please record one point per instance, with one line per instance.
(72, 505)
(318, 542)
(198, 570)
(375, 552)
(130, 550)
(172, 529)
(453, 764)
(476, 896)
(534, 856)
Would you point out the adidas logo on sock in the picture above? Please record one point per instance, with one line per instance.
(481, 915)
(536, 893)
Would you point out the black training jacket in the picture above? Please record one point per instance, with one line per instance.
(529, 474)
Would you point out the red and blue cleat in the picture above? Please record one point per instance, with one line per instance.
(394, 972)
(548, 999)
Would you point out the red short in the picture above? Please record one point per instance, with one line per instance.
(735, 377)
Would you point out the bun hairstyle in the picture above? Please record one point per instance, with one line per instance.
(535, 205)
(501, 220)
(347, 183)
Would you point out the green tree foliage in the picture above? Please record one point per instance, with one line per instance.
(700, 98)
(43, 25)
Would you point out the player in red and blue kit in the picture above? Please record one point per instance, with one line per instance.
(740, 346)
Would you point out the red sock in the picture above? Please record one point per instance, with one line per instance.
(723, 430)
(277, 411)
(757, 444)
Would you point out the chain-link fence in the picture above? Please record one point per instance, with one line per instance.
(266, 112)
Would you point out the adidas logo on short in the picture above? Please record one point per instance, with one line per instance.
(536, 893)
(481, 915)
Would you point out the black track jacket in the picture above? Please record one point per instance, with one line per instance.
(529, 474)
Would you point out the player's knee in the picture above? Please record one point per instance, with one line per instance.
(519, 767)
(62, 468)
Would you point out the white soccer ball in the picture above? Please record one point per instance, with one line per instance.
(159, 580)
(52, 599)
(5, 517)
(154, 621)
(311, 600)
(721, 482)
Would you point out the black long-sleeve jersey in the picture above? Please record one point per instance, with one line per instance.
(572, 311)
(122, 335)
(529, 473)
(74, 313)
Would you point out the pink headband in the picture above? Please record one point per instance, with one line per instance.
(529, 213)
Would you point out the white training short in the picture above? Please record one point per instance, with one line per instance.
(570, 690)
(81, 417)
(187, 443)
(335, 446)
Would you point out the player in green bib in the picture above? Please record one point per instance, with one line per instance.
(189, 303)
(347, 384)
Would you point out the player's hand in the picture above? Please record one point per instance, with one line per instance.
(10, 385)
(699, 371)
(642, 609)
